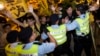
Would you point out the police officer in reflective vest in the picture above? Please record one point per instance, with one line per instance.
(81, 25)
(58, 31)
(11, 48)
(30, 47)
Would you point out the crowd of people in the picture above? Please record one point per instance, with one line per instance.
(42, 35)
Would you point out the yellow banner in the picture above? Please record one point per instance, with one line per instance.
(41, 6)
(35, 3)
(18, 8)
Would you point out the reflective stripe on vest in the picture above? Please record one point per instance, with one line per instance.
(59, 34)
(11, 51)
(84, 25)
(33, 51)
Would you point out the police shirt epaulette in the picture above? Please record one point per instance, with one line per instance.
(38, 43)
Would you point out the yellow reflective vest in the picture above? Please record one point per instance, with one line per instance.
(33, 51)
(12, 51)
(84, 25)
(59, 34)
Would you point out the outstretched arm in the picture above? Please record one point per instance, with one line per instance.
(52, 38)
(31, 10)
(53, 9)
(8, 14)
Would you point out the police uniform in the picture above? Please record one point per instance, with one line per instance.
(83, 39)
(59, 33)
(12, 49)
(36, 49)
(33, 51)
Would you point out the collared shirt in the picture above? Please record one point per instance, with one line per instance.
(43, 48)
(13, 45)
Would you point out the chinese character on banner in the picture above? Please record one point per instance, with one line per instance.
(17, 8)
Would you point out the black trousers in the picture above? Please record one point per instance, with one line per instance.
(65, 48)
(62, 49)
(83, 43)
(69, 35)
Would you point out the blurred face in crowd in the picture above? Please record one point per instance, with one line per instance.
(30, 22)
(7, 28)
(69, 10)
(43, 19)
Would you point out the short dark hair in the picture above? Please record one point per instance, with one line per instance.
(25, 34)
(81, 8)
(54, 18)
(3, 20)
(68, 6)
(60, 5)
(41, 16)
(12, 36)
(29, 16)
(63, 16)
(21, 19)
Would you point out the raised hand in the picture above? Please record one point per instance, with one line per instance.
(33, 13)
(6, 13)
(66, 19)
(30, 7)
(93, 8)
(53, 8)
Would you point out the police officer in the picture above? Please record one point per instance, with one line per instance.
(81, 25)
(11, 47)
(59, 33)
(30, 47)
